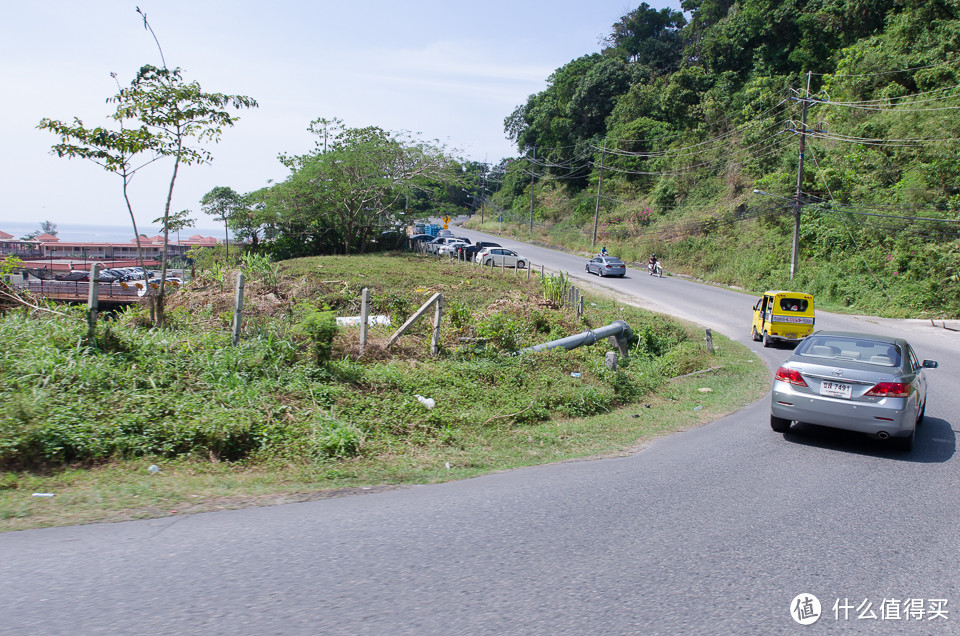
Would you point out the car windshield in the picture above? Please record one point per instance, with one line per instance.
(858, 349)
(613, 260)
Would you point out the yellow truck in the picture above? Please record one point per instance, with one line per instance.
(782, 316)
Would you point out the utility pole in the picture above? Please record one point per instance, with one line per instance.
(483, 188)
(796, 203)
(531, 186)
(596, 211)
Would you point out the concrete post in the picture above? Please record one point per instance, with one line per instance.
(364, 312)
(93, 302)
(238, 310)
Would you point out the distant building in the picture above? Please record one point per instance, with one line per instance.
(12, 246)
(46, 246)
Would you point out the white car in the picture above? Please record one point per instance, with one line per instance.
(436, 244)
(450, 248)
(501, 256)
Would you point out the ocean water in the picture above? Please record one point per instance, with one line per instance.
(105, 233)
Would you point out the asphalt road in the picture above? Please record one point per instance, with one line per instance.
(711, 531)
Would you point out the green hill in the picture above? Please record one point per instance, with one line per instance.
(682, 137)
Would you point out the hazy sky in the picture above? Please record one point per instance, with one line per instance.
(447, 69)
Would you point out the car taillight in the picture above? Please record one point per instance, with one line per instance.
(891, 389)
(791, 376)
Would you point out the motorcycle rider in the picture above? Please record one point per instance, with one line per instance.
(603, 251)
(652, 263)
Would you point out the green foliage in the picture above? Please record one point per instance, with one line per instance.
(355, 183)
(506, 331)
(320, 327)
(555, 287)
(186, 392)
(459, 315)
(691, 141)
(262, 268)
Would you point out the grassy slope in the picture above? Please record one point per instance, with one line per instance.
(492, 413)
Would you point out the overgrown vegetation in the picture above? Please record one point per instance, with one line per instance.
(298, 392)
(688, 115)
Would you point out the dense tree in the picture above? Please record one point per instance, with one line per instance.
(355, 180)
(650, 37)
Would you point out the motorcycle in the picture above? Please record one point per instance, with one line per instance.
(655, 269)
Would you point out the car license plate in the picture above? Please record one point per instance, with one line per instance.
(836, 389)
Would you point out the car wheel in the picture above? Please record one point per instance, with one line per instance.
(622, 275)
(587, 269)
(521, 264)
(754, 334)
(600, 271)
(923, 411)
(779, 424)
(487, 262)
(767, 340)
(906, 443)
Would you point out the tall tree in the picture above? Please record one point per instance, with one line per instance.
(222, 203)
(171, 118)
(181, 116)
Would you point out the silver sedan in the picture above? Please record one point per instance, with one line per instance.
(853, 381)
(606, 266)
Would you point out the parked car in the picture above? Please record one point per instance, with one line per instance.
(451, 247)
(606, 266)
(418, 239)
(497, 256)
(111, 275)
(782, 316)
(853, 381)
(73, 275)
(469, 252)
(434, 246)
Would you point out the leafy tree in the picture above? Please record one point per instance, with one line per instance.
(116, 151)
(354, 181)
(650, 37)
(223, 203)
(181, 116)
(252, 218)
(172, 118)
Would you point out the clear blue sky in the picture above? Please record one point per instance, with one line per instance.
(450, 71)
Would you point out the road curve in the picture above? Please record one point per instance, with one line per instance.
(710, 531)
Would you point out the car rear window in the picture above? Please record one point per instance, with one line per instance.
(862, 350)
(793, 304)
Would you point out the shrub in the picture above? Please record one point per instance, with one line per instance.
(320, 327)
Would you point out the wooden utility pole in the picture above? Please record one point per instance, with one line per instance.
(596, 211)
(796, 203)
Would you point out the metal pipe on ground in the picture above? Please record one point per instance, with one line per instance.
(618, 328)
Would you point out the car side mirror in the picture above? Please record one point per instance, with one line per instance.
(929, 364)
